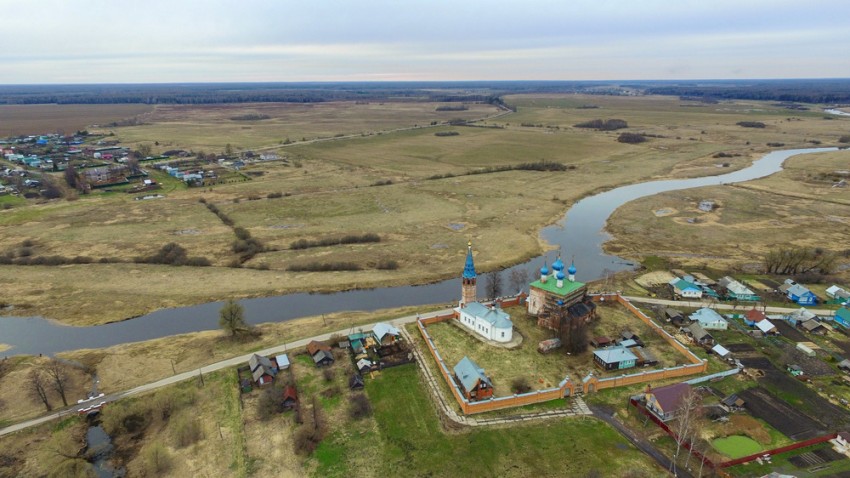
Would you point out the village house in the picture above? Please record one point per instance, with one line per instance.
(709, 319)
(263, 370)
(472, 380)
(842, 317)
(798, 293)
(364, 366)
(492, 323)
(385, 334)
(737, 291)
(699, 335)
(321, 353)
(674, 316)
(614, 358)
(837, 293)
(813, 326)
(799, 316)
(684, 289)
(754, 316)
(666, 402)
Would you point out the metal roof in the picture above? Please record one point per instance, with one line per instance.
(469, 373)
(615, 355)
(495, 316)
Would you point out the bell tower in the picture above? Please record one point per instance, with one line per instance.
(468, 289)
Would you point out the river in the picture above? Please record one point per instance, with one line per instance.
(579, 234)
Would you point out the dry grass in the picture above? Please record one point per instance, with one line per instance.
(17, 405)
(789, 207)
(44, 119)
(502, 213)
(210, 127)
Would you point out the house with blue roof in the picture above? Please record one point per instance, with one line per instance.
(472, 380)
(614, 358)
(685, 289)
(709, 319)
(799, 293)
(385, 334)
(842, 317)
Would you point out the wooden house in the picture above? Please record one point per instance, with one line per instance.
(473, 382)
(289, 399)
(709, 319)
(364, 366)
(385, 334)
(798, 293)
(735, 290)
(813, 326)
(614, 358)
(837, 293)
(684, 289)
(356, 382)
(263, 370)
(323, 358)
(667, 402)
(315, 346)
(842, 317)
(699, 334)
(754, 316)
(674, 316)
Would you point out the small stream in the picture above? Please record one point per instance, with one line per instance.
(99, 450)
(579, 236)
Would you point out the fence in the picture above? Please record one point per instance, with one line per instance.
(566, 387)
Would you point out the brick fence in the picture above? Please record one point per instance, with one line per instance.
(566, 387)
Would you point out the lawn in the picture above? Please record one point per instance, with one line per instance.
(736, 446)
(412, 439)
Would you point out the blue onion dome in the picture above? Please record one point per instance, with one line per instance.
(558, 265)
(572, 270)
(560, 275)
(544, 271)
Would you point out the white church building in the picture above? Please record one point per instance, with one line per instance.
(492, 323)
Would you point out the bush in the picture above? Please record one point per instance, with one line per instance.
(750, 124)
(520, 385)
(604, 125)
(387, 265)
(328, 374)
(157, 459)
(324, 267)
(360, 406)
(274, 195)
(306, 441)
(844, 139)
(335, 241)
(631, 138)
(187, 430)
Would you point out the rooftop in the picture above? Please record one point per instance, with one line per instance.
(551, 286)
(469, 373)
(614, 354)
(494, 316)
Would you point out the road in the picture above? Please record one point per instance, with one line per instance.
(718, 305)
(607, 416)
(232, 362)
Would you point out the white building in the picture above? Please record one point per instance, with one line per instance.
(709, 319)
(492, 323)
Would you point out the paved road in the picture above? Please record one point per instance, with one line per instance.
(606, 415)
(718, 305)
(232, 362)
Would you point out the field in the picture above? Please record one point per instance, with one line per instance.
(334, 188)
(797, 206)
(18, 120)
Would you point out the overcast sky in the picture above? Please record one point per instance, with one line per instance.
(144, 41)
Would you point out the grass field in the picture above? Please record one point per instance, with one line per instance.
(45, 119)
(736, 446)
(790, 207)
(423, 223)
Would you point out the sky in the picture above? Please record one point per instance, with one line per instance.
(157, 41)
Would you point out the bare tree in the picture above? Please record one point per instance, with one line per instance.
(133, 164)
(70, 176)
(57, 375)
(518, 278)
(493, 284)
(686, 417)
(144, 150)
(37, 387)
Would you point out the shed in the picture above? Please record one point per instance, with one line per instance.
(315, 346)
(323, 358)
(733, 402)
(813, 327)
(644, 356)
(282, 361)
(600, 342)
(364, 365)
(614, 358)
(844, 365)
(720, 351)
(356, 382)
(289, 398)
(263, 370)
(674, 315)
(836, 292)
(699, 334)
(385, 334)
(767, 327)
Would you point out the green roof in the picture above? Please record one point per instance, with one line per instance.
(551, 285)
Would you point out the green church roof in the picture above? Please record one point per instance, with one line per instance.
(551, 285)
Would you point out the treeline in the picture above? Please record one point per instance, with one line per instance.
(631, 138)
(798, 91)
(535, 166)
(250, 117)
(173, 254)
(245, 246)
(799, 260)
(750, 124)
(336, 241)
(604, 125)
(452, 108)
(446, 133)
(316, 266)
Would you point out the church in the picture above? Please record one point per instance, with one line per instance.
(490, 322)
(549, 295)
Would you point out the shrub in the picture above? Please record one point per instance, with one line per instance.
(520, 385)
(335, 241)
(328, 374)
(274, 195)
(187, 430)
(387, 265)
(631, 138)
(306, 441)
(604, 125)
(157, 459)
(750, 124)
(844, 139)
(360, 406)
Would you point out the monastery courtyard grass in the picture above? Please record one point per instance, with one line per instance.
(543, 371)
